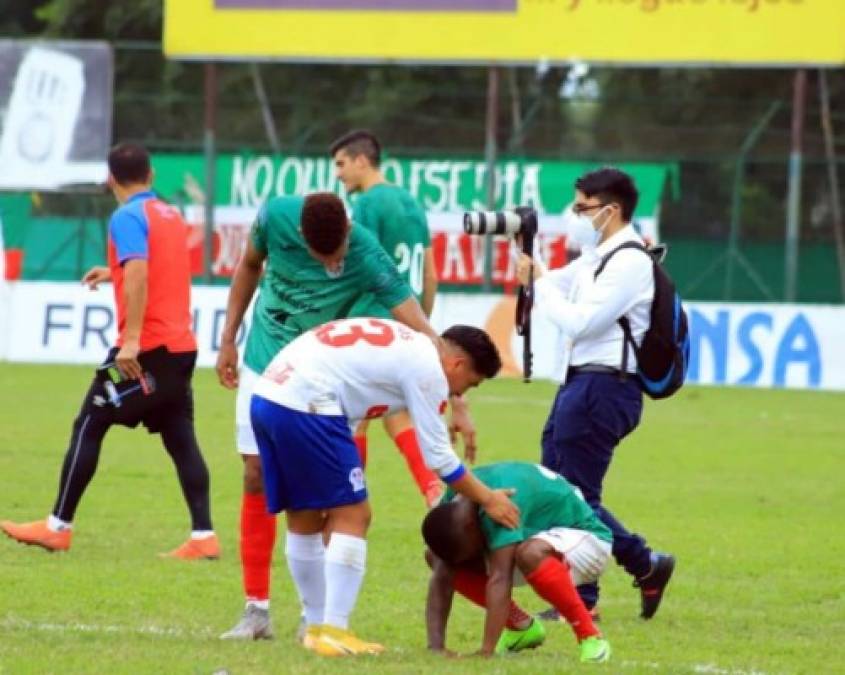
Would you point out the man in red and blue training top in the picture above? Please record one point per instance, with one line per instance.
(146, 378)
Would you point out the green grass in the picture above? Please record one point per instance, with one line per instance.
(744, 486)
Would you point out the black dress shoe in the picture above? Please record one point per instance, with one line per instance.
(653, 584)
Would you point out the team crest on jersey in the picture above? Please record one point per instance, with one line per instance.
(442, 408)
(356, 479)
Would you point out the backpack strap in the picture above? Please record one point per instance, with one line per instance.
(607, 256)
(627, 339)
(623, 322)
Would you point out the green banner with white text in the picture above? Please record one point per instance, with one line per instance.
(440, 185)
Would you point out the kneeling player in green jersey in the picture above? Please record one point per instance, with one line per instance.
(392, 215)
(559, 544)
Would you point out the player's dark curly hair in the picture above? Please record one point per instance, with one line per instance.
(129, 163)
(324, 222)
(611, 185)
(359, 142)
(443, 533)
(478, 345)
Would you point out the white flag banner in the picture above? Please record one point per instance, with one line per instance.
(56, 126)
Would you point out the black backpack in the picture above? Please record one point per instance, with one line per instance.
(663, 356)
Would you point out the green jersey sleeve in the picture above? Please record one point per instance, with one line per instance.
(258, 234)
(425, 234)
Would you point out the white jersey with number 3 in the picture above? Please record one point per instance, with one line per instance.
(363, 369)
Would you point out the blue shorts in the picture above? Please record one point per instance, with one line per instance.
(309, 461)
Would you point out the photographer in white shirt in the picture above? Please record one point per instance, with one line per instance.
(597, 404)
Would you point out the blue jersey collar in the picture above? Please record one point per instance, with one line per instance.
(146, 194)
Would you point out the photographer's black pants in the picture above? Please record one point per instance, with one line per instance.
(168, 410)
(591, 413)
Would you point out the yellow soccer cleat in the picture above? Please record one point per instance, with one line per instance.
(310, 636)
(333, 641)
(312, 642)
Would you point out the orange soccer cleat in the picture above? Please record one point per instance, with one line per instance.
(37, 534)
(207, 548)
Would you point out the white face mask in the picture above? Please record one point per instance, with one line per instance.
(581, 229)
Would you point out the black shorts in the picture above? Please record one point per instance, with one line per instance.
(171, 396)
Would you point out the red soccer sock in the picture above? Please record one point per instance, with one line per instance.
(361, 444)
(473, 586)
(552, 582)
(258, 536)
(424, 477)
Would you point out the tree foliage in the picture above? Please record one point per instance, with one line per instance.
(699, 117)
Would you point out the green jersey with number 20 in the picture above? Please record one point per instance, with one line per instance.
(400, 226)
(298, 293)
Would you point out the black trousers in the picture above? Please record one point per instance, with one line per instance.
(165, 406)
(591, 413)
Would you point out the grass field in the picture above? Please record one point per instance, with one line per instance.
(744, 486)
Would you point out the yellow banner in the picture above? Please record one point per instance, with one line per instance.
(742, 32)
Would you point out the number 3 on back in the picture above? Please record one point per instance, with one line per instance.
(372, 331)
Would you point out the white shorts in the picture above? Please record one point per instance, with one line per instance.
(575, 546)
(244, 435)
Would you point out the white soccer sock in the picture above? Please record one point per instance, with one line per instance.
(346, 562)
(306, 562)
(201, 534)
(57, 524)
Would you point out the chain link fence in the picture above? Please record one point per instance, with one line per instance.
(724, 216)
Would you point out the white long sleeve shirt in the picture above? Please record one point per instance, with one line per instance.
(367, 368)
(586, 310)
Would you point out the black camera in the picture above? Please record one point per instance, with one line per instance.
(522, 223)
(522, 220)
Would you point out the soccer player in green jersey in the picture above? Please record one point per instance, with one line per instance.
(400, 225)
(315, 266)
(559, 544)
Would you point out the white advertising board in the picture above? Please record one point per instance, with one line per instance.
(67, 323)
(793, 346)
